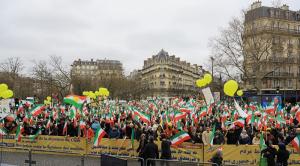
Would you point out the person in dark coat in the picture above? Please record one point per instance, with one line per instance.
(165, 148)
(140, 149)
(219, 138)
(151, 151)
(269, 153)
(282, 155)
(244, 138)
(217, 158)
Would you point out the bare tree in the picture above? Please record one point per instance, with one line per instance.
(11, 68)
(239, 52)
(276, 3)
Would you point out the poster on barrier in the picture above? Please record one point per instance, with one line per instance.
(245, 154)
(48, 144)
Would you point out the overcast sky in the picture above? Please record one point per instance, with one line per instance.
(125, 30)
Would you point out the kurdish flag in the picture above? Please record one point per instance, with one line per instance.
(98, 136)
(32, 137)
(180, 138)
(143, 116)
(296, 142)
(35, 111)
(75, 100)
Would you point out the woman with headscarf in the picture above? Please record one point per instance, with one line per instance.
(282, 155)
(244, 138)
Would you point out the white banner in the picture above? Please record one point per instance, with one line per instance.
(4, 108)
(208, 95)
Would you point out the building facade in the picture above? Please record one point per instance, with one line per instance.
(99, 69)
(92, 74)
(272, 50)
(164, 75)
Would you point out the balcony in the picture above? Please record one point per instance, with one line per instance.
(283, 60)
(269, 29)
(280, 75)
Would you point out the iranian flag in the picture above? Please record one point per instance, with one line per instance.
(3, 131)
(98, 136)
(82, 124)
(270, 110)
(297, 115)
(75, 100)
(296, 142)
(38, 109)
(178, 116)
(240, 110)
(240, 122)
(48, 124)
(203, 112)
(186, 109)
(143, 116)
(180, 138)
(33, 137)
(65, 129)
(19, 132)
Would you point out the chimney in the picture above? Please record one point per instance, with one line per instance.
(285, 7)
(255, 5)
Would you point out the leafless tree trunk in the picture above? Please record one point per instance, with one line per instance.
(239, 53)
(11, 67)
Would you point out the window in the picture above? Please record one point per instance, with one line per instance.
(290, 84)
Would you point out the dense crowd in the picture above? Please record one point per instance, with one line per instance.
(156, 117)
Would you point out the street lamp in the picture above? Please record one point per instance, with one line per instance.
(212, 66)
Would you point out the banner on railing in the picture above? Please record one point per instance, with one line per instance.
(232, 154)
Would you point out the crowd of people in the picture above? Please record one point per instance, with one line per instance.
(229, 121)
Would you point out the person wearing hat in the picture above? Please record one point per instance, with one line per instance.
(217, 158)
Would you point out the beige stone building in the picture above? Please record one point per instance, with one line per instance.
(164, 75)
(277, 32)
(100, 69)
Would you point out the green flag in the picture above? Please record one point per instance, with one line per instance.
(262, 145)
(132, 137)
(211, 139)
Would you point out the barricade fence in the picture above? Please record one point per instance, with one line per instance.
(76, 146)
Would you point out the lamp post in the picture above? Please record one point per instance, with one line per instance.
(212, 66)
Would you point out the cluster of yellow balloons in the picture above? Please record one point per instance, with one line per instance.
(48, 100)
(204, 81)
(231, 87)
(5, 93)
(93, 95)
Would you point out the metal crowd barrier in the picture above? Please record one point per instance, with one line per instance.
(131, 161)
(163, 162)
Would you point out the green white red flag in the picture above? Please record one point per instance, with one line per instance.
(37, 110)
(296, 142)
(100, 133)
(33, 137)
(180, 138)
(19, 132)
(143, 116)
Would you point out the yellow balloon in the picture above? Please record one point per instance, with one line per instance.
(240, 92)
(230, 87)
(208, 78)
(48, 98)
(85, 93)
(3, 87)
(201, 83)
(10, 93)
